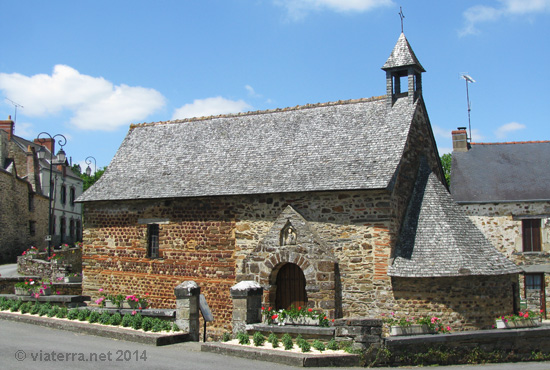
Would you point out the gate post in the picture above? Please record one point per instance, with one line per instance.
(247, 304)
(187, 308)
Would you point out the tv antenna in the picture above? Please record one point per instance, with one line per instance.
(15, 105)
(468, 79)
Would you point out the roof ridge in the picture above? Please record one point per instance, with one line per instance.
(514, 142)
(258, 112)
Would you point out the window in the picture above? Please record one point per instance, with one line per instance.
(63, 194)
(153, 240)
(533, 281)
(72, 196)
(77, 231)
(531, 235)
(71, 229)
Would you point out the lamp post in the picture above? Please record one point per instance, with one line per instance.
(89, 162)
(60, 157)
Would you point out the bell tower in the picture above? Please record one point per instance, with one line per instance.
(403, 63)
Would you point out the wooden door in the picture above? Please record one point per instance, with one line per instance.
(291, 287)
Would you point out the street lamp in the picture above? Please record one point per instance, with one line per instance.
(61, 157)
(89, 162)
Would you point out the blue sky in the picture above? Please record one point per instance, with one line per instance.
(88, 69)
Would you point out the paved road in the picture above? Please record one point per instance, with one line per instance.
(26, 346)
(9, 270)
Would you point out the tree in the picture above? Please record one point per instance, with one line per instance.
(88, 180)
(446, 160)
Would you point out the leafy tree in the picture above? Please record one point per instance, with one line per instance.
(446, 160)
(88, 180)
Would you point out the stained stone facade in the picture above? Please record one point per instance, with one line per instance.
(350, 192)
(500, 187)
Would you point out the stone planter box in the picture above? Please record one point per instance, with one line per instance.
(414, 329)
(110, 304)
(521, 323)
(299, 321)
(73, 279)
(21, 291)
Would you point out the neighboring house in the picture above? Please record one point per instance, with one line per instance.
(23, 209)
(505, 189)
(66, 185)
(338, 206)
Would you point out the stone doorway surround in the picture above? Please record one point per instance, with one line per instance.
(291, 239)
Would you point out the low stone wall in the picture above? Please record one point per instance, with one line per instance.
(520, 342)
(69, 260)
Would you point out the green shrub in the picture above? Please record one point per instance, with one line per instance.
(243, 338)
(300, 340)
(175, 327)
(53, 311)
(72, 314)
(287, 341)
(147, 324)
(104, 318)
(116, 319)
(15, 305)
(94, 316)
(35, 308)
(258, 338)
(83, 314)
(166, 325)
(62, 313)
(304, 345)
(333, 345)
(226, 337)
(127, 320)
(272, 338)
(136, 321)
(25, 307)
(5, 304)
(318, 345)
(44, 309)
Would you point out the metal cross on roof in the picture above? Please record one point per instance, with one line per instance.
(401, 15)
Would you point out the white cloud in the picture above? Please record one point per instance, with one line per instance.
(504, 130)
(298, 8)
(476, 136)
(210, 107)
(96, 104)
(441, 133)
(481, 13)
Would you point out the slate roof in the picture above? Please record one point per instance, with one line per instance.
(402, 55)
(501, 172)
(437, 238)
(345, 145)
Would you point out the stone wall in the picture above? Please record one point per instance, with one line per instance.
(464, 303)
(67, 261)
(16, 215)
(499, 223)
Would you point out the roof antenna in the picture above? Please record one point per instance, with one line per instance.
(15, 105)
(401, 15)
(471, 80)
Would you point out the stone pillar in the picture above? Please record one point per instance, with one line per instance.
(363, 333)
(187, 308)
(247, 304)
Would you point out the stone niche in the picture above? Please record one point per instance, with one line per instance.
(292, 240)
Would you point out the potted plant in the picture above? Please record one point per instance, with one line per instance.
(525, 319)
(415, 326)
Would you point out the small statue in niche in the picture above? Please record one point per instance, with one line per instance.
(289, 235)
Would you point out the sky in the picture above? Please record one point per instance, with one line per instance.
(89, 69)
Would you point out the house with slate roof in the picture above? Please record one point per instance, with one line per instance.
(340, 207)
(503, 187)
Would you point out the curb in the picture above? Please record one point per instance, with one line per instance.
(280, 357)
(98, 330)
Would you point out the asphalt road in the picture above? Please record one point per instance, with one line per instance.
(9, 270)
(26, 346)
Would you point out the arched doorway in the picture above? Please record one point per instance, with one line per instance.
(291, 287)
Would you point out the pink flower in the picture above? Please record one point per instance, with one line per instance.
(58, 292)
(134, 312)
(100, 290)
(448, 328)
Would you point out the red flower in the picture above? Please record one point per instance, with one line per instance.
(310, 309)
(299, 308)
(274, 317)
(325, 318)
(263, 308)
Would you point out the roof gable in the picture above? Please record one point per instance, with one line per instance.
(335, 146)
(438, 239)
(402, 55)
(501, 172)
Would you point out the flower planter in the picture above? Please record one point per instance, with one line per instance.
(305, 321)
(130, 304)
(21, 291)
(414, 329)
(73, 279)
(521, 323)
(46, 291)
(110, 304)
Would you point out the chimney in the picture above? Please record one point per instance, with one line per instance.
(47, 143)
(7, 126)
(33, 170)
(460, 140)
